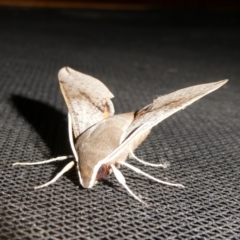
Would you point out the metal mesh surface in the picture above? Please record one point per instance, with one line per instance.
(138, 56)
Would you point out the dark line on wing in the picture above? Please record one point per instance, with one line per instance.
(100, 108)
(67, 69)
(151, 108)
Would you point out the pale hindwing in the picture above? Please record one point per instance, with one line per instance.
(160, 109)
(87, 99)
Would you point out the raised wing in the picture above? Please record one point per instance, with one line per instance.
(160, 109)
(166, 105)
(87, 99)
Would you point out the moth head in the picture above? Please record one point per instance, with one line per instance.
(90, 173)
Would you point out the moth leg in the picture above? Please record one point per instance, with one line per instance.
(149, 176)
(65, 169)
(45, 161)
(122, 181)
(163, 165)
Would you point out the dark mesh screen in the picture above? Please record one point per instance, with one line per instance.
(138, 55)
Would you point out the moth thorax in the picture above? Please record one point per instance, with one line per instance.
(102, 172)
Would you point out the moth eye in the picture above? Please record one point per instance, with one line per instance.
(102, 172)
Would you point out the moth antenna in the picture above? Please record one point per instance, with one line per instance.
(65, 169)
(163, 165)
(70, 134)
(121, 180)
(149, 176)
(45, 161)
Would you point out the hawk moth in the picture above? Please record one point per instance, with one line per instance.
(102, 141)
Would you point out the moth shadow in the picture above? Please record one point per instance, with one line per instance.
(51, 125)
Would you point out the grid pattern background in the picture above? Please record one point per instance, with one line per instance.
(138, 56)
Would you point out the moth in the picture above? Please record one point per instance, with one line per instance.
(101, 141)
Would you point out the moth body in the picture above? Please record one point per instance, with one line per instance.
(98, 142)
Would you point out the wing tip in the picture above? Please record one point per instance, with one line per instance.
(63, 72)
(224, 81)
(220, 83)
(210, 87)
